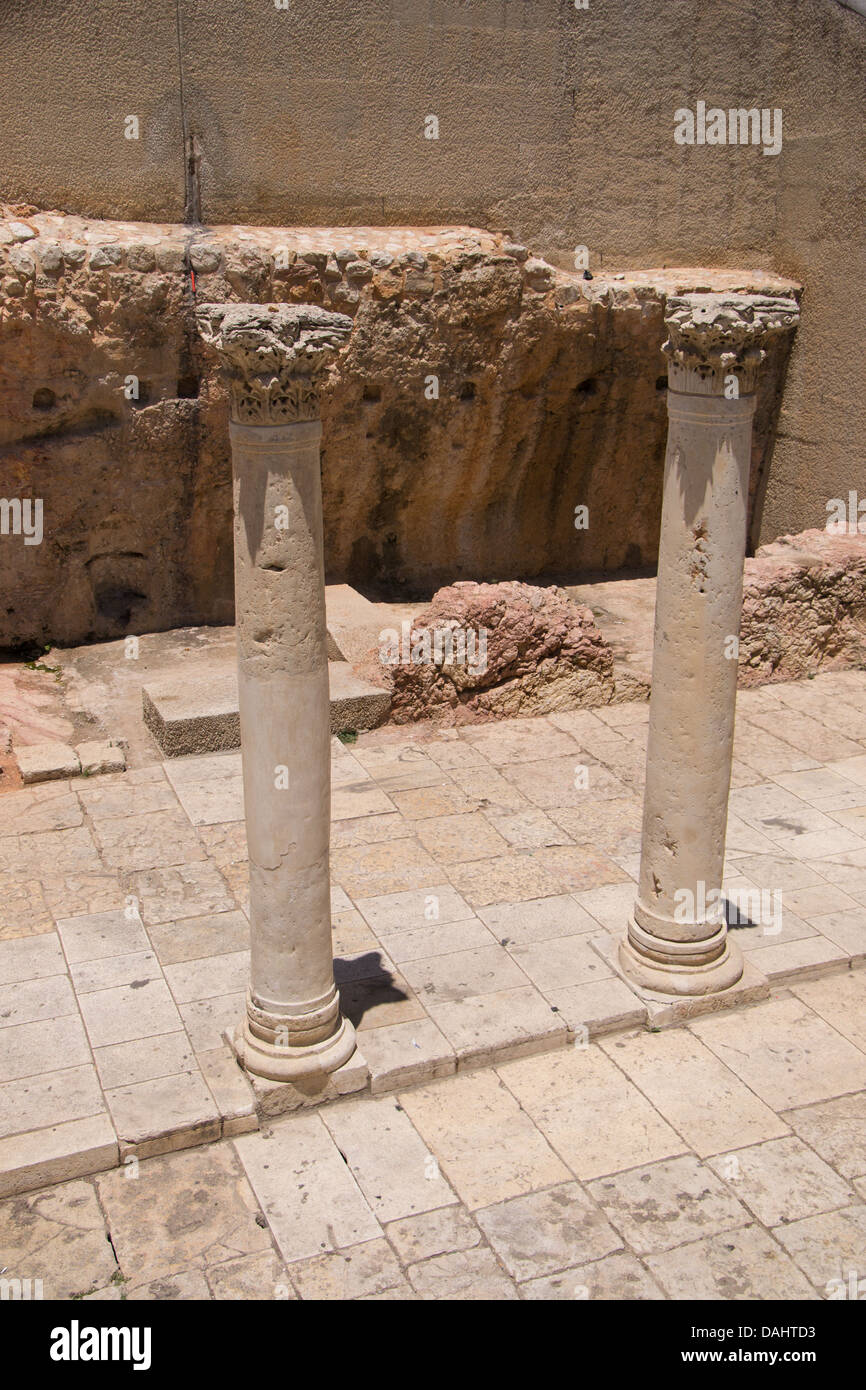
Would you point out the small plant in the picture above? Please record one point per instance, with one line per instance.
(41, 665)
(348, 736)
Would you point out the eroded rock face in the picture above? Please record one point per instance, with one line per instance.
(495, 651)
(804, 607)
(483, 397)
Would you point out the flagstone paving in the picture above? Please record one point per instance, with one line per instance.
(641, 1166)
(479, 878)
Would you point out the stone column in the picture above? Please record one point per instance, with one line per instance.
(274, 356)
(677, 941)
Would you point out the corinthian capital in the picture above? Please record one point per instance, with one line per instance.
(711, 336)
(274, 355)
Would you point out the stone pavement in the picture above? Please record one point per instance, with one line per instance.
(479, 879)
(723, 1160)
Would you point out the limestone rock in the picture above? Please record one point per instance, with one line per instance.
(100, 755)
(545, 399)
(51, 258)
(499, 650)
(205, 259)
(106, 257)
(804, 607)
(46, 762)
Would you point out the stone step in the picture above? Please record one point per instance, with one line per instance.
(196, 711)
(354, 623)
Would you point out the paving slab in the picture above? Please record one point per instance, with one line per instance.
(465, 1274)
(129, 1012)
(545, 1231)
(566, 1092)
(836, 1130)
(43, 762)
(95, 936)
(306, 1191)
(432, 1233)
(57, 1153)
(49, 1098)
(356, 1272)
(387, 1157)
(144, 1059)
(741, 1265)
(32, 1048)
(100, 756)
(828, 1247)
(592, 1010)
(499, 1025)
(841, 1003)
(700, 1097)
(782, 1181)
(488, 1147)
(617, 1278)
(59, 1238)
(164, 1113)
(29, 1001)
(250, 1277)
(665, 1204)
(785, 1053)
(401, 1054)
(188, 1210)
(30, 958)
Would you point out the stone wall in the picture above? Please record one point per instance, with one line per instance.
(550, 397)
(554, 123)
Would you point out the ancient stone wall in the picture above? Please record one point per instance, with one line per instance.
(554, 122)
(484, 397)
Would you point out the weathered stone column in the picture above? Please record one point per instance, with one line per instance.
(274, 356)
(677, 941)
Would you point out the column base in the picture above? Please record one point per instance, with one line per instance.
(667, 975)
(275, 1062)
(664, 1010)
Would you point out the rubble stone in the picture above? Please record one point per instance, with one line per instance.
(488, 650)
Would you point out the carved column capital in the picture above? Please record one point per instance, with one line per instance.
(275, 357)
(712, 336)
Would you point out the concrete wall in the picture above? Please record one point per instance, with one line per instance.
(554, 122)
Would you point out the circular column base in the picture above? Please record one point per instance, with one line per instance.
(286, 1063)
(670, 976)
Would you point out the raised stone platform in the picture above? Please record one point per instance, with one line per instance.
(197, 711)
(476, 895)
(193, 707)
(194, 711)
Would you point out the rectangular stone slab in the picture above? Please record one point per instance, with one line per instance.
(196, 710)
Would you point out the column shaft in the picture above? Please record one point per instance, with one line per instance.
(274, 354)
(691, 730)
(284, 710)
(677, 941)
